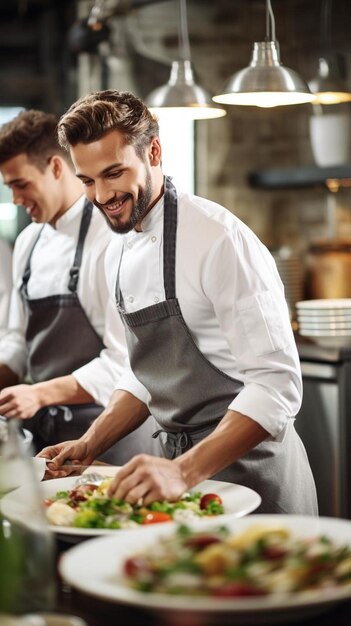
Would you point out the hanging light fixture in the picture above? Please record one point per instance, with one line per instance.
(181, 96)
(328, 86)
(266, 82)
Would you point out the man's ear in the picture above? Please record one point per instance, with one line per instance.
(56, 165)
(155, 152)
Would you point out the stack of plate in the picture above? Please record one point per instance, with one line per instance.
(291, 272)
(327, 322)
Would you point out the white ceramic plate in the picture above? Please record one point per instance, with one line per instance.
(329, 342)
(325, 303)
(45, 619)
(324, 315)
(95, 567)
(237, 501)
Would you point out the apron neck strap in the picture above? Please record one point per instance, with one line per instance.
(169, 245)
(169, 237)
(27, 269)
(84, 226)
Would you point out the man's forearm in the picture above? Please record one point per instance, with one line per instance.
(63, 390)
(7, 377)
(123, 414)
(234, 437)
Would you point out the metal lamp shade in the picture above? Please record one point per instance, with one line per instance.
(327, 88)
(181, 96)
(265, 83)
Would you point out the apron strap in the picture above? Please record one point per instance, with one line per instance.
(169, 237)
(169, 246)
(178, 442)
(27, 269)
(74, 271)
(84, 227)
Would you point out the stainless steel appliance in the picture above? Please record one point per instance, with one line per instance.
(324, 424)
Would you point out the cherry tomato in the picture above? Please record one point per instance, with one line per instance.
(136, 566)
(201, 541)
(154, 517)
(273, 553)
(236, 590)
(48, 502)
(80, 493)
(207, 498)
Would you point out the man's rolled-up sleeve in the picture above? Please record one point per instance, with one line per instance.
(252, 312)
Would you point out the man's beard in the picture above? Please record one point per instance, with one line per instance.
(138, 212)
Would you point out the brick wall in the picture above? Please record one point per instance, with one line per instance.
(248, 138)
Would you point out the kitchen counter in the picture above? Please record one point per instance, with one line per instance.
(309, 351)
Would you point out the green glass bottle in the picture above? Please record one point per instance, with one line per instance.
(27, 550)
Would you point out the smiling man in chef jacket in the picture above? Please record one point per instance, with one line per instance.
(64, 334)
(211, 351)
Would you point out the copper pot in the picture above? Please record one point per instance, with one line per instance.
(329, 269)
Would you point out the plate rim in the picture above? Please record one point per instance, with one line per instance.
(76, 533)
(247, 606)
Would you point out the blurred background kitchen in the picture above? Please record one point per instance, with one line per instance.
(285, 171)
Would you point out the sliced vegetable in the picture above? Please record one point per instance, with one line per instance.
(155, 517)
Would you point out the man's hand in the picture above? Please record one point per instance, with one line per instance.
(19, 401)
(72, 452)
(148, 478)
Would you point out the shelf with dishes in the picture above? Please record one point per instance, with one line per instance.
(297, 177)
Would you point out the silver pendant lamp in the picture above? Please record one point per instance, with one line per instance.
(328, 86)
(266, 82)
(181, 96)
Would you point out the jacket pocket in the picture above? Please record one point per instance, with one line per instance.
(263, 323)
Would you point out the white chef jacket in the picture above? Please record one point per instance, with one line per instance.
(5, 284)
(50, 264)
(231, 298)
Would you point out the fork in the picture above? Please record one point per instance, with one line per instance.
(92, 477)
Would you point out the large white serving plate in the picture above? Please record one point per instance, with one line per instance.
(328, 340)
(329, 322)
(237, 501)
(328, 332)
(326, 304)
(324, 316)
(96, 568)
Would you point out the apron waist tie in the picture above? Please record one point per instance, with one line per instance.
(179, 442)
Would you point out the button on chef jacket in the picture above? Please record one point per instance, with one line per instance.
(231, 298)
(50, 264)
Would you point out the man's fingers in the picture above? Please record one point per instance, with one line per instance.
(48, 453)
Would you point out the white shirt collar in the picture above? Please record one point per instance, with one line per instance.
(152, 218)
(150, 221)
(71, 214)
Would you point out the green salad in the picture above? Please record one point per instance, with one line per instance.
(89, 506)
(257, 562)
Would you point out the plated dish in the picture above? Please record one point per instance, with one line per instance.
(237, 501)
(98, 568)
(89, 506)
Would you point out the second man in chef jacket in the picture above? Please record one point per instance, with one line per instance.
(211, 350)
(64, 350)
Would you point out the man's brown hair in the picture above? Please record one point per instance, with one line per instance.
(33, 133)
(93, 116)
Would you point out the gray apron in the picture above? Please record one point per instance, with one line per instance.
(189, 395)
(60, 339)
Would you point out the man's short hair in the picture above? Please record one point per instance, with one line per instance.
(33, 133)
(93, 116)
